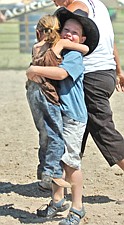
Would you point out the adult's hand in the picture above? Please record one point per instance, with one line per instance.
(120, 82)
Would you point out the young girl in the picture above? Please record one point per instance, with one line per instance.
(44, 100)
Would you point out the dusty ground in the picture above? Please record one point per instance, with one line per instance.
(19, 195)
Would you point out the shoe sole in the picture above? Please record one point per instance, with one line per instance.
(61, 183)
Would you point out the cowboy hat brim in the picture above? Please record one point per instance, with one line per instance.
(90, 29)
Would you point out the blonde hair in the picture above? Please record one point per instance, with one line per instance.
(49, 26)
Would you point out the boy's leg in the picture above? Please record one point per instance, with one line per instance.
(73, 139)
(75, 178)
(73, 132)
(56, 205)
(57, 193)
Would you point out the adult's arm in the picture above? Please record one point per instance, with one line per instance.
(77, 5)
(2, 18)
(119, 71)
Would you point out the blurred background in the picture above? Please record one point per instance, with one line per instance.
(17, 34)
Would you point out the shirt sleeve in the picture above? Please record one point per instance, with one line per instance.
(73, 64)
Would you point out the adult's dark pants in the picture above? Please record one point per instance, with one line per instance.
(98, 87)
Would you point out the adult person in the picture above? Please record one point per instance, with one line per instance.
(76, 27)
(99, 83)
(2, 17)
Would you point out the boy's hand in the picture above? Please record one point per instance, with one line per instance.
(32, 75)
(37, 79)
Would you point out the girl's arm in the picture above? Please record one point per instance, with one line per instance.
(33, 53)
(67, 44)
(35, 50)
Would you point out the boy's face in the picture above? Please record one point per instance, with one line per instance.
(72, 30)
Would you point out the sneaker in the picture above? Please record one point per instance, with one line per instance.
(39, 175)
(52, 209)
(73, 217)
(44, 186)
(46, 183)
(39, 172)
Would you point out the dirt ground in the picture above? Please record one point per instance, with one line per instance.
(19, 195)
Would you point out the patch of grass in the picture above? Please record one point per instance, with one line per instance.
(11, 56)
(13, 59)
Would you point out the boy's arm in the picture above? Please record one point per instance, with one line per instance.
(67, 44)
(51, 72)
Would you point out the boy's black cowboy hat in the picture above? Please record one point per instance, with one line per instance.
(90, 29)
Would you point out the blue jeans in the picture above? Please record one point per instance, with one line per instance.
(48, 121)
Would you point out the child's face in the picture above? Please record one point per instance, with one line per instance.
(72, 30)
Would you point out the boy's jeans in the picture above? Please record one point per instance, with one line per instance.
(48, 121)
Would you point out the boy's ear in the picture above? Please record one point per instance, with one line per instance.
(38, 35)
(83, 39)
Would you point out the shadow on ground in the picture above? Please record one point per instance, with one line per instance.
(23, 216)
(31, 190)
